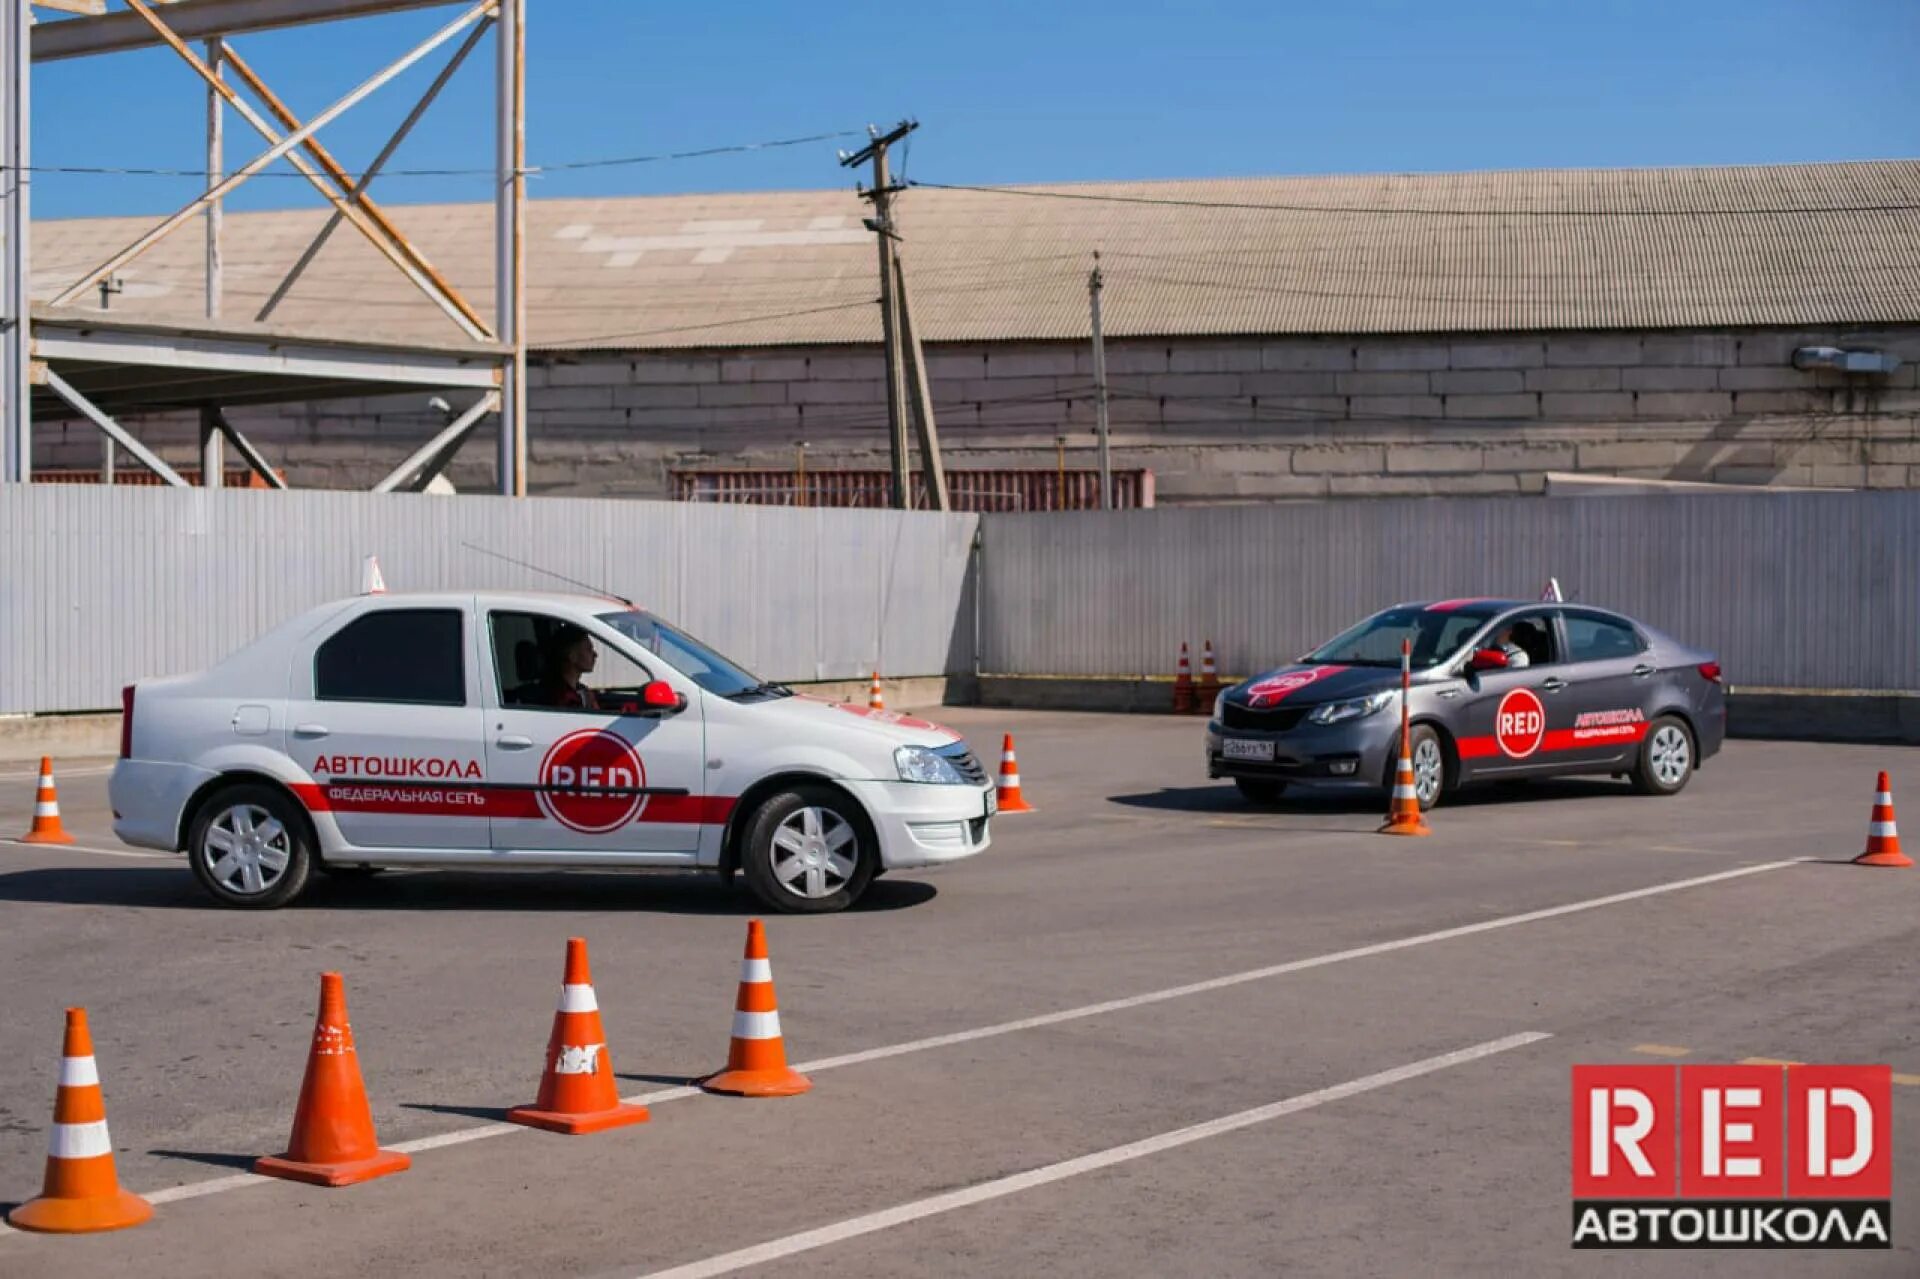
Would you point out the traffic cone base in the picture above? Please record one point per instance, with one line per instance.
(619, 1116)
(333, 1141)
(1883, 836)
(349, 1173)
(46, 827)
(757, 1056)
(114, 1211)
(81, 1192)
(758, 1083)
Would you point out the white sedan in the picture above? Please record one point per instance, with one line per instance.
(528, 730)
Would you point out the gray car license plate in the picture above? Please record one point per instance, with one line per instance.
(1240, 748)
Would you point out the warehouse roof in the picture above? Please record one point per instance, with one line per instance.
(1525, 250)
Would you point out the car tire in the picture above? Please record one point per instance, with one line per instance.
(796, 838)
(1429, 754)
(1666, 758)
(1260, 790)
(250, 847)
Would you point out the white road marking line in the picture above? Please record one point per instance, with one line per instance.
(461, 1136)
(88, 848)
(1281, 970)
(1001, 1187)
(193, 1190)
(58, 773)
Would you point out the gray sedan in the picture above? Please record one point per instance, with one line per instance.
(1501, 689)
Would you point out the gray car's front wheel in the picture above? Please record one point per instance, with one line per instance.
(809, 851)
(1666, 758)
(1429, 765)
(249, 847)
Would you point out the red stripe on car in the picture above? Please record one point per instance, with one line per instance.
(1558, 739)
(506, 802)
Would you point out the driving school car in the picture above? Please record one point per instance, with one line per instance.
(1499, 689)
(414, 730)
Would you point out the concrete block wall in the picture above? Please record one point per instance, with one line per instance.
(1215, 419)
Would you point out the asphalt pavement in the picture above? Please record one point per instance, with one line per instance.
(1152, 1031)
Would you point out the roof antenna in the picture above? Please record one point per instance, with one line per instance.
(571, 581)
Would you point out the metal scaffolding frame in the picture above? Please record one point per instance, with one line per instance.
(88, 363)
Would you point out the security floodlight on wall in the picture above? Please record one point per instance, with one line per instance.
(1832, 357)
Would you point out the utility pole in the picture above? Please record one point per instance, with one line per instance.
(921, 393)
(1100, 387)
(881, 224)
(907, 385)
(213, 461)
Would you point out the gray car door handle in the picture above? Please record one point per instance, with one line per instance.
(310, 730)
(514, 743)
(1554, 684)
(1643, 670)
(1448, 693)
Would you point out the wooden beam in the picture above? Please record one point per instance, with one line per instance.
(89, 7)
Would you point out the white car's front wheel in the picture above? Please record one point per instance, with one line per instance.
(249, 847)
(809, 851)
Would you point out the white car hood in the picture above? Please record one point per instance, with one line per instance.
(896, 728)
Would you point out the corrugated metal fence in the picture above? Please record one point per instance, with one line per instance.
(1793, 590)
(101, 586)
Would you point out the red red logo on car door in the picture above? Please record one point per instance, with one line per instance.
(1520, 725)
(589, 782)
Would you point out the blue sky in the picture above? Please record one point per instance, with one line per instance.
(1040, 92)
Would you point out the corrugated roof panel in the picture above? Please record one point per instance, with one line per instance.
(1398, 253)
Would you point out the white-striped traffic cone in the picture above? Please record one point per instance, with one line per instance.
(1008, 799)
(1883, 835)
(875, 702)
(81, 1194)
(757, 1055)
(46, 828)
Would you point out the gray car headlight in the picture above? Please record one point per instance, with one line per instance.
(918, 764)
(1352, 708)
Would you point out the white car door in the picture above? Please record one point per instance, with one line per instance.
(616, 780)
(383, 711)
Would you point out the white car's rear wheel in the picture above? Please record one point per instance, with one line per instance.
(249, 847)
(809, 851)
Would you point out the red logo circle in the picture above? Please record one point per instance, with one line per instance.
(583, 763)
(1520, 725)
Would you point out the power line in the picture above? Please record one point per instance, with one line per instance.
(537, 170)
(1412, 210)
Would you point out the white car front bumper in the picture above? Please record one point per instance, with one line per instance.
(926, 825)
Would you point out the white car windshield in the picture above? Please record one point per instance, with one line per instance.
(1437, 634)
(689, 656)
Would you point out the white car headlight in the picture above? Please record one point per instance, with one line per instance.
(918, 764)
(1352, 708)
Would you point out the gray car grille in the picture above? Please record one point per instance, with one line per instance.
(1278, 720)
(962, 758)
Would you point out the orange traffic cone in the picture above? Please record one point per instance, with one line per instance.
(875, 702)
(1009, 799)
(757, 1057)
(1403, 814)
(46, 828)
(333, 1142)
(1209, 682)
(1883, 837)
(1183, 684)
(577, 1092)
(81, 1193)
